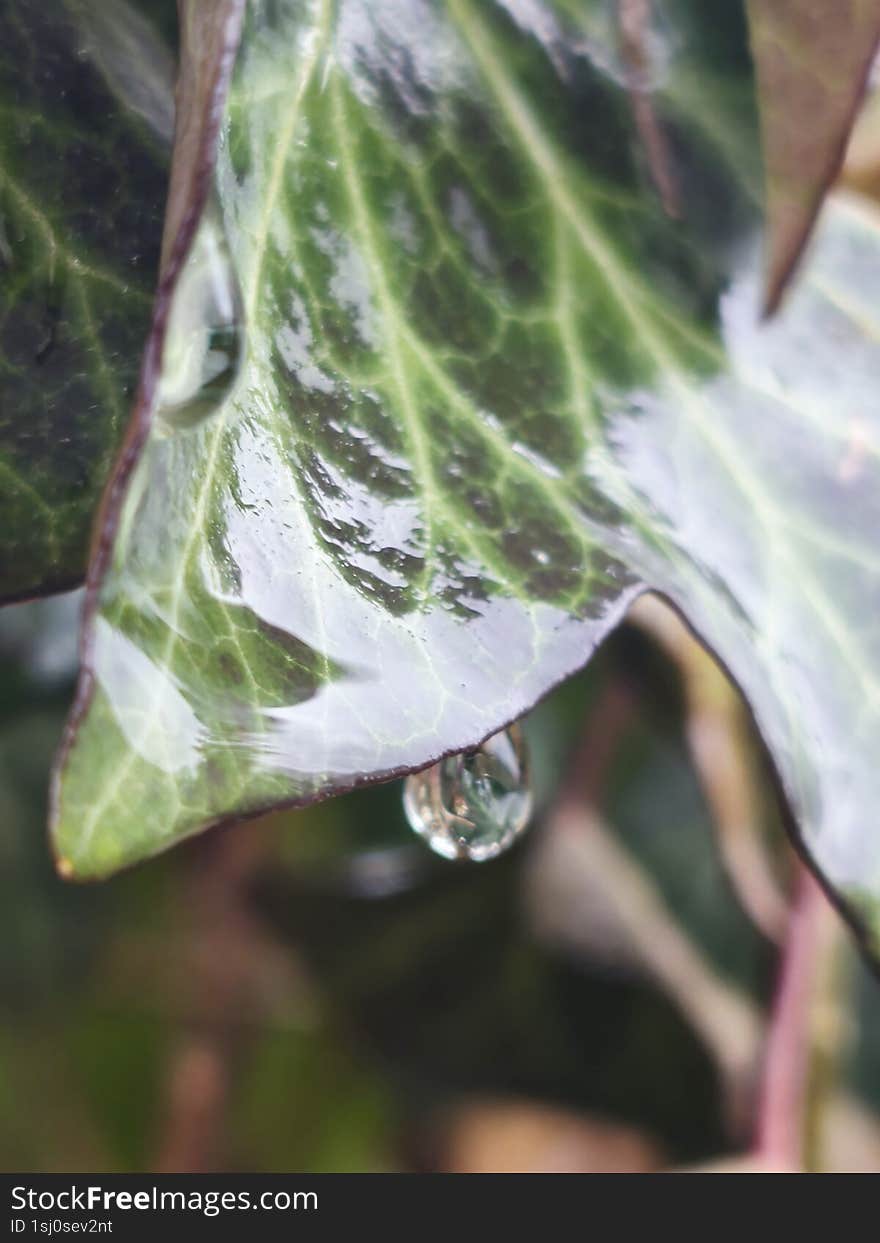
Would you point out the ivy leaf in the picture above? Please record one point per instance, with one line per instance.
(87, 114)
(812, 62)
(469, 387)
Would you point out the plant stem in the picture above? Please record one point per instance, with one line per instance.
(589, 892)
(783, 1121)
(719, 746)
(225, 953)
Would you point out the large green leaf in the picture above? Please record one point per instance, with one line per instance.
(491, 389)
(87, 114)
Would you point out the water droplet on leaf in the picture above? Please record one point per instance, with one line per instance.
(475, 804)
(204, 342)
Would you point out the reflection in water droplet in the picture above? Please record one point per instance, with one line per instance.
(475, 804)
(204, 341)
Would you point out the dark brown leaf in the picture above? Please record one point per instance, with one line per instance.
(812, 61)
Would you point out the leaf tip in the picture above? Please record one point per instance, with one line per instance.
(771, 298)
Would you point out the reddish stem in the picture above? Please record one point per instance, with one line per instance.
(782, 1097)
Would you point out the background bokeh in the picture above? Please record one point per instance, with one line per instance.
(317, 992)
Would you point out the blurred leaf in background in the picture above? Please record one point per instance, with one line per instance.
(86, 96)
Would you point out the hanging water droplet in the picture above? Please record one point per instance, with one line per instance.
(475, 804)
(204, 340)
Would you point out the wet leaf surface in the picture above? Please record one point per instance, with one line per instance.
(468, 388)
(87, 113)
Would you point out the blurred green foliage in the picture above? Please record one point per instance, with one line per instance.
(353, 988)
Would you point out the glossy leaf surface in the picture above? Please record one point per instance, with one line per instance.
(87, 112)
(478, 387)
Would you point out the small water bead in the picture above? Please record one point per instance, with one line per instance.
(475, 804)
(204, 342)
